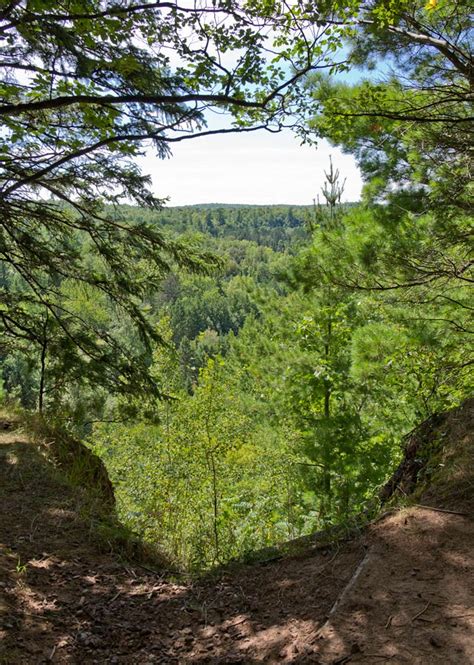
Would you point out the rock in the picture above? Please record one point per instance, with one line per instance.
(82, 636)
(88, 640)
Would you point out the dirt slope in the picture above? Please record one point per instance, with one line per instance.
(400, 592)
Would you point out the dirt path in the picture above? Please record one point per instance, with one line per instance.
(61, 601)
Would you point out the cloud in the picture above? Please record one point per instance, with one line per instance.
(256, 168)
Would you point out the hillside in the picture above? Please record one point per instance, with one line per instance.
(399, 590)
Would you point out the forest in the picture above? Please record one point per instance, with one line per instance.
(246, 373)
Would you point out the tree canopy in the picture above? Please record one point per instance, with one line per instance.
(325, 334)
(85, 87)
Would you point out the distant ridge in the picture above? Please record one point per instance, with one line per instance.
(242, 205)
(251, 205)
(213, 206)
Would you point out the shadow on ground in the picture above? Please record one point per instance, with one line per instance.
(63, 601)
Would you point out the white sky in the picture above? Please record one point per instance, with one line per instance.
(256, 168)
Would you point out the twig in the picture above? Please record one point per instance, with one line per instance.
(236, 623)
(32, 531)
(440, 510)
(344, 594)
(422, 611)
(160, 573)
(38, 617)
(22, 481)
(342, 660)
(389, 621)
(263, 562)
(382, 516)
(150, 594)
(328, 563)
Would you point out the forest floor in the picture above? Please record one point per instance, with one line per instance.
(400, 591)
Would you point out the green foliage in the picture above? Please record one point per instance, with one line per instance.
(264, 397)
(203, 311)
(299, 425)
(200, 484)
(85, 88)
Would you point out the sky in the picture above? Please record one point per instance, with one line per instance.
(255, 168)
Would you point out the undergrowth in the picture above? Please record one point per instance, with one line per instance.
(437, 468)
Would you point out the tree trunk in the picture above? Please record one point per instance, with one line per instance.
(44, 348)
